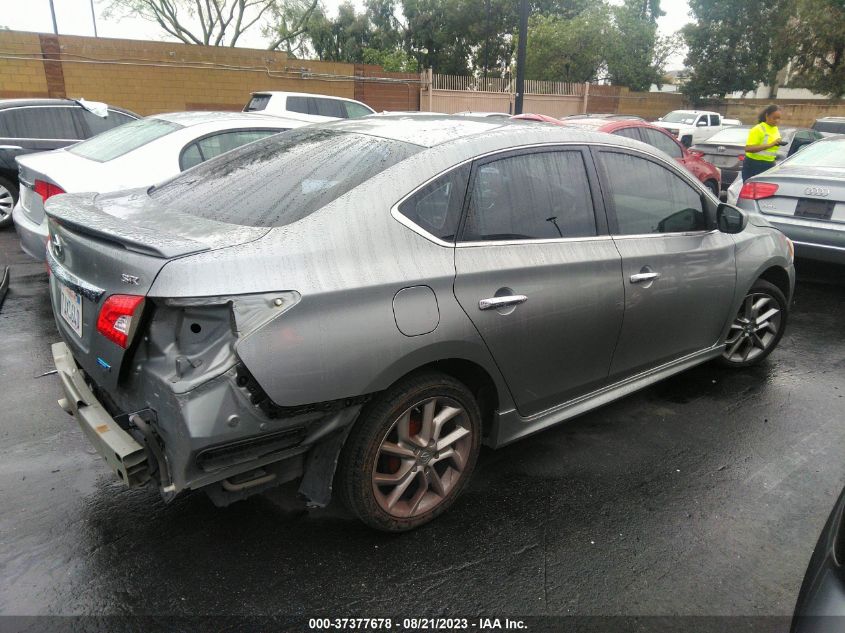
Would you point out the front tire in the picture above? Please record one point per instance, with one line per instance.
(8, 198)
(411, 452)
(758, 327)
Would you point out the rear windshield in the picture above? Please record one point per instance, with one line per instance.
(731, 136)
(257, 103)
(827, 154)
(122, 140)
(837, 127)
(281, 179)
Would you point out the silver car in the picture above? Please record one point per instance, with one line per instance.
(140, 153)
(367, 302)
(805, 198)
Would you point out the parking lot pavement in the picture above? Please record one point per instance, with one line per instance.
(701, 495)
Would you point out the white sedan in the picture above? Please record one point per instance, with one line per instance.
(140, 153)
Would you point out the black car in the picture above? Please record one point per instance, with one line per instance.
(726, 148)
(821, 601)
(37, 125)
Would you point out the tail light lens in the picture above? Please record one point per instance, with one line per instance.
(118, 316)
(741, 157)
(757, 190)
(47, 189)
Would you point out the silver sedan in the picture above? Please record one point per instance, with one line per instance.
(805, 198)
(375, 299)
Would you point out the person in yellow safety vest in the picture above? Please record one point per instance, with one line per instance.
(761, 148)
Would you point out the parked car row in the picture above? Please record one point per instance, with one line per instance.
(36, 125)
(499, 276)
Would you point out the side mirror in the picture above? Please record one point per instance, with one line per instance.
(729, 219)
(660, 118)
(702, 123)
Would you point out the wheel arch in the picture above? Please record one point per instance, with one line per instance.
(778, 276)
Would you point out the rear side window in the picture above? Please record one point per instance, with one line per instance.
(122, 140)
(330, 107)
(628, 132)
(714, 119)
(436, 208)
(39, 122)
(211, 146)
(648, 198)
(662, 142)
(257, 103)
(98, 125)
(283, 178)
(300, 104)
(355, 110)
(544, 195)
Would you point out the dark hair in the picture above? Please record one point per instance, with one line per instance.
(770, 109)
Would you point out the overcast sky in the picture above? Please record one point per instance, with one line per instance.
(74, 18)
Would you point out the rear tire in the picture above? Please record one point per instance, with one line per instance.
(411, 452)
(758, 326)
(8, 198)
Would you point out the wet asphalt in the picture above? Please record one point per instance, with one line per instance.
(702, 495)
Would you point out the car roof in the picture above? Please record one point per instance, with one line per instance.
(18, 103)
(187, 119)
(831, 118)
(439, 129)
(302, 94)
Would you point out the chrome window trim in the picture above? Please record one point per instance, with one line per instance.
(671, 164)
(675, 234)
(89, 291)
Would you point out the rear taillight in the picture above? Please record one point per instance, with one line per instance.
(741, 157)
(47, 189)
(117, 316)
(757, 190)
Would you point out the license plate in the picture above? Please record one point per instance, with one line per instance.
(814, 209)
(71, 309)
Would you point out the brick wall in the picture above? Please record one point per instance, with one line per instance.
(21, 77)
(150, 77)
(392, 91)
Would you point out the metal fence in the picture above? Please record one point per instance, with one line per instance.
(451, 93)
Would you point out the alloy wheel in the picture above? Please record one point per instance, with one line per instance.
(422, 458)
(7, 202)
(755, 328)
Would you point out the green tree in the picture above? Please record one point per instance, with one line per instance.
(817, 36)
(342, 39)
(734, 45)
(631, 50)
(571, 50)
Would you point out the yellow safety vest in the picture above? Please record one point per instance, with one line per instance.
(763, 134)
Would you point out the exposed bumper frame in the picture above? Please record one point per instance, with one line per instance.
(121, 451)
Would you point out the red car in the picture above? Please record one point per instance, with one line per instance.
(640, 130)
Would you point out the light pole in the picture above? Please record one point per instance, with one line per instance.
(520, 55)
(53, 13)
(93, 18)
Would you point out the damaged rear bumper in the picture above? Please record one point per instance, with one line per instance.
(126, 457)
(211, 437)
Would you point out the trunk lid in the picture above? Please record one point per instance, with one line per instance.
(810, 193)
(116, 244)
(58, 167)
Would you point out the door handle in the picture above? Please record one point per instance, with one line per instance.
(641, 277)
(493, 303)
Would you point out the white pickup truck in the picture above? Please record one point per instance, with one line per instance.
(693, 126)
